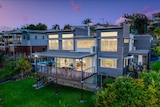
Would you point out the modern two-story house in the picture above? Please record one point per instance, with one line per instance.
(110, 52)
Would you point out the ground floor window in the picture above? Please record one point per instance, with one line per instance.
(140, 59)
(108, 63)
(125, 62)
(75, 63)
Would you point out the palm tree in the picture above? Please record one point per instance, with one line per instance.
(56, 27)
(87, 22)
(67, 27)
(157, 32)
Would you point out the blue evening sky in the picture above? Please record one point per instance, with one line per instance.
(16, 13)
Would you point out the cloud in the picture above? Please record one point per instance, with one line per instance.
(145, 9)
(75, 6)
(120, 20)
(1, 6)
(25, 18)
(149, 14)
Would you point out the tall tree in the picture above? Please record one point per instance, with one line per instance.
(138, 22)
(39, 26)
(87, 22)
(67, 27)
(56, 27)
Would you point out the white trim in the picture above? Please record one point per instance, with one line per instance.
(108, 58)
(128, 57)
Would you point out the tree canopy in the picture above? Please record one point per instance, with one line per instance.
(138, 22)
(129, 92)
(56, 27)
(38, 26)
(67, 27)
(87, 21)
(157, 32)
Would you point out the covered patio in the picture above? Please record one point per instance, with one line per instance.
(69, 73)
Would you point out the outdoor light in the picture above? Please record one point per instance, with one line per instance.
(36, 56)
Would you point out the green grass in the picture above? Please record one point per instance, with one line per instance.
(22, 94)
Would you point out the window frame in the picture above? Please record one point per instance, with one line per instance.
(109, 43)
(114, 63)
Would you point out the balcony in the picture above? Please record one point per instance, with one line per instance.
(66, 73)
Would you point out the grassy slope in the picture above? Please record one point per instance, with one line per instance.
(22, 94)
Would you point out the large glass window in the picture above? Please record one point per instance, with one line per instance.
(106, 34)
(64, 62)
(108, 44)
(67, 42)
(86, 64)
(85, 43)
(108, 63)
(53, 44)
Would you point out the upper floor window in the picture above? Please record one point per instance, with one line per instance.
(42, 37)
(53, 44)
(108, 63)
(108, 34)
(85, 43)
(53, 36)
(24, 37)
(18, 39)
(28, 37)
(67, 35)
(109, 45)
(67, 42)
(35, 37)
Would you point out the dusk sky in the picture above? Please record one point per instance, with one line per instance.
(16, 13)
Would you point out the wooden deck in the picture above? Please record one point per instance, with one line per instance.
(65, 73)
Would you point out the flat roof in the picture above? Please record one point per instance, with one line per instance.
(139, 52)
(64, 54)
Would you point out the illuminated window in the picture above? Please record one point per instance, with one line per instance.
(106, 34)
(67, 36)
(85, 43)
(53, 44)
(109, 63)
(53, 36)
(140, 59)
(67, 42)
(126, 40)
(109, 45)
(125, 62)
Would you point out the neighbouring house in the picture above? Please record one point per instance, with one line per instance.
(155, 22)
(23, 42)
(156, 19)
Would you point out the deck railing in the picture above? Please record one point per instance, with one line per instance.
(65, 72)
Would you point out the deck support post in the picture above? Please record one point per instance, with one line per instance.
(81, 62)
(56, 77)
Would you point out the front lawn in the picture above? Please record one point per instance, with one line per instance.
(22, 94)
